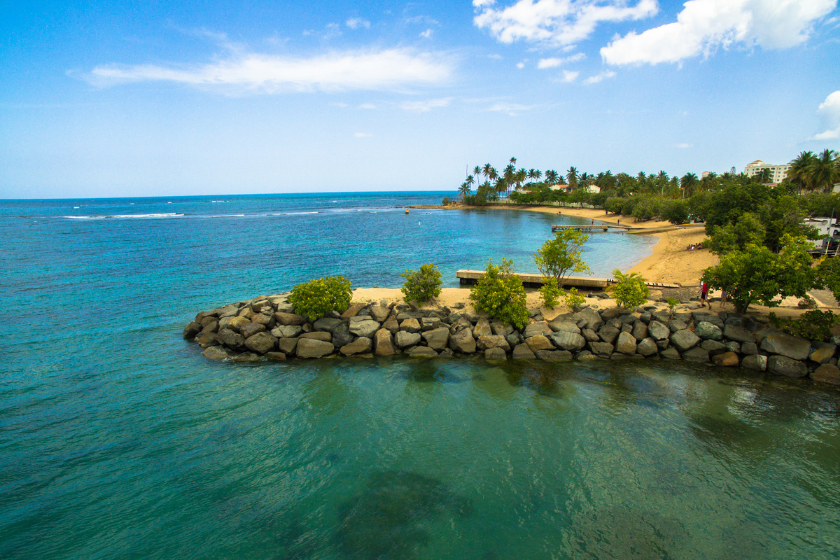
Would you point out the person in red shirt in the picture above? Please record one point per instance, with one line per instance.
(704, 294)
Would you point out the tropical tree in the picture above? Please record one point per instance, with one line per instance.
(561, 255)
(572, 176)
(689, 182)
(551, 177)
(477, 171)
(800, 170)
(763, 176)
(825, 171)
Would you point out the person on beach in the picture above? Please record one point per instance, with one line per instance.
(723, 298)
(704, 294)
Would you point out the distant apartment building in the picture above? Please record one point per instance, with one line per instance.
(777, 172)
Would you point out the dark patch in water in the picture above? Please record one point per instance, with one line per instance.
(391, 517)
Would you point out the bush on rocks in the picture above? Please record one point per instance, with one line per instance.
(813, 325)
(316, 298)
(501, 294)
(421, 285)
(630, 289)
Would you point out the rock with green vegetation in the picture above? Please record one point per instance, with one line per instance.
(316, 298)
(421, 285)
(630, 289)
(500, 293)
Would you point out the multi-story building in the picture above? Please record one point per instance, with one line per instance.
(777, 172)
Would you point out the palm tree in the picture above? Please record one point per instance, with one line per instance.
(825, 170)
(800, 170)
(763, 176)
(534, 173)
(551, 177)
(688, 182)
(465, 190)
(477, 172)
(486, 171)
(520, 177)
(572, 176)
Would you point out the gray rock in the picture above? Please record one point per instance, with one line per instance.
(713, 347)
(663, 344)
(276, 356)
(287, 345)
(312, 348)
(755, 362)
(601, 349)
(206, 340)
(539, 342)
(564, 326)
(522, 352)
(365, 328)
(537, 329)
(567, 340)
(228, 311)
(640, 330)
(647, 347)
(823, 355)
(786, 345)
(403, 315)
(429, 323)
(749, 348)
(608, 333)
(267, 320)
(513, 339)
(191, 330)
(626, 344)
(676, 325)
(286, 331)
(233, 323)
(697, 354)
(231, 339)
(404, 339)
(246, 357)
(423, 352)
(590, 319)
(379, 313)
(289, 318)
(437, 339)
(251, 329)
(590, 335)
(684, 340)
(627, 327)
(706, 317)
(495, 354)
(708, 331)
(733, 346)
(361, 345)
(501, 329)
(462, 341)
(261, 342)
(353, 310)
(492, 341)
(826, 373)
(446, 353)
(764, 333)
(727, 359)
(318, 335)
(670, 354)
(482, 328)
(410, 325)
(383, 344)
(215, 353)
(341, 336)
(783, 365)
(391, 325)
(554, 355)
(658, 331)
(326, 324)
(738, 334)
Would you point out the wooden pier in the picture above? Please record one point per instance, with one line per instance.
(596, 227)
(529, 280)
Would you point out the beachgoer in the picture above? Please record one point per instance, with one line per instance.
(723, 297)
(704, 294)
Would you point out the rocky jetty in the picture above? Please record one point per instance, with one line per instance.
(268, 328)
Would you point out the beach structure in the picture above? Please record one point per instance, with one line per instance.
(536, 280)
(590, 228)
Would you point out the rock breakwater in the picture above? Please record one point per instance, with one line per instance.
(267, 328)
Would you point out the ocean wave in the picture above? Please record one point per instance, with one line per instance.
(125, 216)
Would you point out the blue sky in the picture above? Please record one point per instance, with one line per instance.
(157, 98)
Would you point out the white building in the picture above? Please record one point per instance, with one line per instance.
(778, 173)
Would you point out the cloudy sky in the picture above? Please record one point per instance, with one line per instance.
(144, 98)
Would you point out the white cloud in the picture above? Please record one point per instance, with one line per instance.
(356, 23)
(705, 25)
(520, 65)
(260, 73)
(555, 62)
(511, 109)
(684, 146)
(426, 34)
(831, 109)
(494, 56)
(599, 77)
(557, 22)
(569, 76)
(363, 135)
(367, 106)
(427, 105)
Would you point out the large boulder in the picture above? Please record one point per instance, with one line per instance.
(462, 341)
(564, 326)
(727, 359)
(286, 331)
(206, 340)
(737, 333)
(437, 339)
(191, 330)
(326, 324)
(537, 329)
(590, 335)
(341, 336)
(423, 352)
(245, 357)
(364, 328)
(383, 344)
(626, 344)
(647, 347)
(755, 362)
(783, 365)
(379, 313)
(539, 342)
(235, 323)
(522, 352)
(263, 319)
(640, 330)
(353, 310)
(658, 331)
(429, 323)
(311, 348)
(670, 353)
(601, 349)
(289, 318)
(492, 341)
(482, 328)
(608, 333)
(287, 345)
(714, 347)
(708, 331)
(588, 318)
(318, 335)
(231, 339)
(749, 348)
(685, 340)
(676, 325)
(567, 340)
(251, 329)
(826, 373)
(404, 339)
(361, 345)
(783, 344)
(495, 354)
(697, 354)
(823, 355)
(261, 343)
(391, 324)
(411, 325)
(215, 353)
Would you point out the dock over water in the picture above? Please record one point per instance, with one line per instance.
(530, 280)
(594, 227)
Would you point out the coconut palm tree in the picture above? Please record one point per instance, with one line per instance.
(534, 174)
(825, 171)
(763, 176)
(800, 170)
(688, 182)
(572, 176)
(477, 171)
(551, 177)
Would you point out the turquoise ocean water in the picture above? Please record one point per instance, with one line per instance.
(119, 440)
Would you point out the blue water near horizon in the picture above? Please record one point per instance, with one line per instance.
(119, 440)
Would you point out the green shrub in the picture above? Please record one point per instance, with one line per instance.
(672, 304)
(446, 201)
(675, 211)
(560, 255)
(813, 325)
(573, 299)
(630, 290)
(421, 285)
(501, 294)
(550, 294)
(316, 298)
